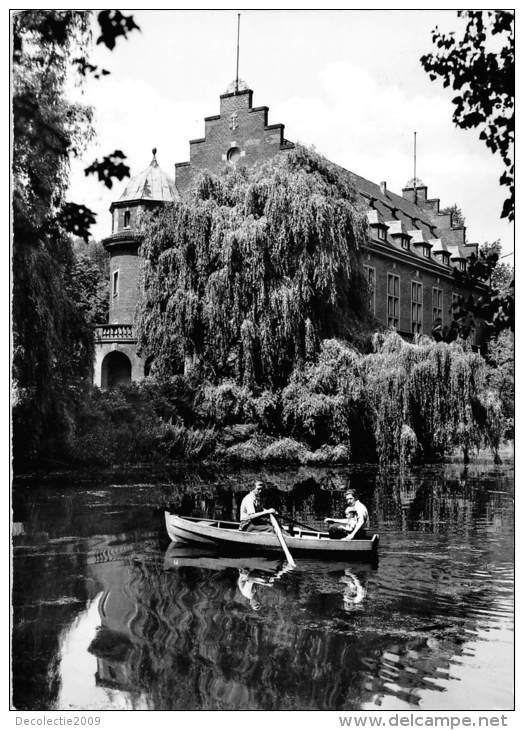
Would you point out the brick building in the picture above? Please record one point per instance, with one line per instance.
(409, 258)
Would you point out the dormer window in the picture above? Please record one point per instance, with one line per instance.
(381, 233)
(426, 252)
(404, 242)
(461, 265)
(127, 219)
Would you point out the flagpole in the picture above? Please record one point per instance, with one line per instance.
(415, 166)
(238, 51)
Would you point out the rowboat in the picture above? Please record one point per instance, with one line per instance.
(225, 536)
(190, 555)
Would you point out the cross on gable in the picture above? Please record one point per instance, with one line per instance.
(233, 123)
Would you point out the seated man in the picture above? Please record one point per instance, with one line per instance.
(354, 523)
(253, 518)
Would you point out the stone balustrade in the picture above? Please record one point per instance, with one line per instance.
(114, 333)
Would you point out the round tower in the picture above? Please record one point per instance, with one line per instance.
(116, 359)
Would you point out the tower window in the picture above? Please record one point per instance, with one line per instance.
(115, 283)
(127, 219)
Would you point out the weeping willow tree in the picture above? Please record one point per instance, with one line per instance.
(252, 270)
(427, 398)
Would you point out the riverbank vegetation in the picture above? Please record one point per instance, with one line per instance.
(400, 403)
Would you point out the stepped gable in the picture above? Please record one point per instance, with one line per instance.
(151, 185)
(240, 134)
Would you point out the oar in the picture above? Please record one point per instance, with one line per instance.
(280, 536)
(300, 524)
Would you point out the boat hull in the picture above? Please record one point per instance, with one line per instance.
(226, 537)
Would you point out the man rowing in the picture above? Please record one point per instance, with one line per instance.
(253, 517)
(354, 524)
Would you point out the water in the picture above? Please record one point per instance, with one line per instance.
(108, 615)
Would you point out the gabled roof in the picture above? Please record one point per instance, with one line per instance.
(152, 184)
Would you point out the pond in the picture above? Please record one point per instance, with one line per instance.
(107, 614)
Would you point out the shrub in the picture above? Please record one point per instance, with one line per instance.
(287, 450)
(324, 402)
(248, 452)
(225, 404)
(268, 411)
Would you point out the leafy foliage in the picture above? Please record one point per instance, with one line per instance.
(481, 66)
(399, 403)
(110, 167)
(434, 390)
(114, 24)
(256, 267)
(325, 402)
(90, 283)
(52, 338)
(457, 216)
(494, 309)
(501, 377)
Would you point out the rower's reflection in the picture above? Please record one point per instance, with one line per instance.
(354, 592)
(250, 581)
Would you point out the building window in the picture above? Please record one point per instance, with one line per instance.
(233, 155)
(381, 233)
(437, 303)
(115, 283)
(393, 301)
(426, 252)
(369, 273)
(462, 265)
(404, 242)
(127, 219)
(416, 307)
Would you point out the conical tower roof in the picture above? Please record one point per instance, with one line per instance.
(152, 184)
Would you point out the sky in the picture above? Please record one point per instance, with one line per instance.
(347, 82)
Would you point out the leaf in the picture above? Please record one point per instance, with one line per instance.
(109, 168)
(76, 219)
(114, 24)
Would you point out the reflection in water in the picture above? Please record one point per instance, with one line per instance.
(112, 619)
(354, 591)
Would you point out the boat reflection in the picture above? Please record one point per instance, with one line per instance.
(256, 572)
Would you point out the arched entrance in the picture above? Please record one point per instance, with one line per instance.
(116, 370)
